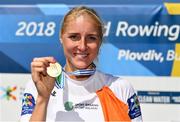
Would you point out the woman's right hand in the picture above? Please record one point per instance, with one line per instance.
(43, 82)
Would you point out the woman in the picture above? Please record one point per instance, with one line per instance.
(80, 93)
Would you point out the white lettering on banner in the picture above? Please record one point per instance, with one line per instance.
(176, 99)
(150, 55)
(35, 29)
(154, 99)
(147, 99)
(107, 27)
(172, 55)
(156, 30)
(161, 99)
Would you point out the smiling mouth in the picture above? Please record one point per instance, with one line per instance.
(81, 55)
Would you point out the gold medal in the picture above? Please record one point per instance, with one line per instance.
(54, 70)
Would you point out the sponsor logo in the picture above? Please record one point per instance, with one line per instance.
(134, 107)
(28, 104)
(7, 93)
(70, 106)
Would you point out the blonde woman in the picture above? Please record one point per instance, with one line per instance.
(80, 92)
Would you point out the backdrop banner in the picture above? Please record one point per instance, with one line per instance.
(141, 43)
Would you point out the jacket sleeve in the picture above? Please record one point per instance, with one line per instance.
(126, 93)
(133, 103)
(28, 101)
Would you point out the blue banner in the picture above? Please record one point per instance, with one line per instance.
(142, 40)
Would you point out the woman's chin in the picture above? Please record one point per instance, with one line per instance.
(81, 66)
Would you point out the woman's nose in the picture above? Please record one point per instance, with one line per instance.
(82, 44)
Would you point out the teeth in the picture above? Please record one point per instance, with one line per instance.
(81, 55)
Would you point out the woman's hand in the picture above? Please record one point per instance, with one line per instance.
(43, 82)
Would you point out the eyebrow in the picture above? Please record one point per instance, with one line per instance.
(72, 33)
(91, 34)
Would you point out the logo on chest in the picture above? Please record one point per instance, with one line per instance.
(68, 106)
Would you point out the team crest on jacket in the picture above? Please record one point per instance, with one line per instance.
(28, 104)
(134, 107)
(68, 106)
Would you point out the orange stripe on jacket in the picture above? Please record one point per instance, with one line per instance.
(113, 108)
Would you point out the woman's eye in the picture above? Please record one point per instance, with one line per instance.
(92, 38)
(74, 37)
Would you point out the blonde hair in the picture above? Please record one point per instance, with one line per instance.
(83, 10)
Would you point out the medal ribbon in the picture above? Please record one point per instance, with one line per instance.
(84, 72)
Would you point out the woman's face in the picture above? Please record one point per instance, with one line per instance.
(81, 42)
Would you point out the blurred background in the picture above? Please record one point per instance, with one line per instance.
(141, 44)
